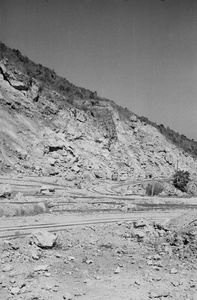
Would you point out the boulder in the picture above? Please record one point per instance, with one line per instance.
(44, 239)
(75, 168)
(51, 161)
(114, 176)
(5, 190)
(19, 197)
(140, 235)
(133, 118)
(70, 177)
(88, 175)
(41, 268)
(81, 116)
(141, 223)
(47, 190)
(99, 174)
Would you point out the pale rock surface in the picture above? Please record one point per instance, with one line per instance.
(44, 239)
(84, 136)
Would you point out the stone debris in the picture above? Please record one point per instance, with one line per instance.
(43, 239)
(159, 294)
(15, 290)
(173, 271)
(71, 258)
(5, 190)
(140, 235)
(117, 270)
(7, 268)
(67, 296)
(41, 268)
(157, 257)
(108, 258)
(141, 223)
(19, 197)
(47, 190)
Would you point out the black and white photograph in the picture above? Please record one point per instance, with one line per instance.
(98, 149)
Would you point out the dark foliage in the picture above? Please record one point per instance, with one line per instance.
(181, 179)
(180, 140)
(154, 189)
(46, 77)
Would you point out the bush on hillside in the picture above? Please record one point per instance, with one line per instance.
(181, 179)
(154, 189)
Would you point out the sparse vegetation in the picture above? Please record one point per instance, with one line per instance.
(23, 210)
(154, 188)
(46, 76)
(181, 179)
(179, 140)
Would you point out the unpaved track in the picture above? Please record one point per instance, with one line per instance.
(102, 187)
(105, 192)
(19, 228)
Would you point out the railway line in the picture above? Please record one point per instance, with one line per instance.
(91, 205)
(109, 186)
(20, 229)
(104, 188)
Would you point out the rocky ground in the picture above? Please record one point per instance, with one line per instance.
(153, 256)
(125, 260)
(44, 133)
(68, 155)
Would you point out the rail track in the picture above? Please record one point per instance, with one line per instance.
(99, 204)
(107, 186)
(22, 230)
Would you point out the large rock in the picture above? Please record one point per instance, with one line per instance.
(5, 190)
(44, 239)
(70, 177)
(100, 174)
(47, 190)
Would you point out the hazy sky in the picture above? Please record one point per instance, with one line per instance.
(140, 53)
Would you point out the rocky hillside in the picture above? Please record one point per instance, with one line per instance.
(48, 126)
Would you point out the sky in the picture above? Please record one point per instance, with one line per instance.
(140, 53)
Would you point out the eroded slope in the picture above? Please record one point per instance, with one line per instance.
(46, 132)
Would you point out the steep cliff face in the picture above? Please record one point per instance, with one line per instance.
(46, 132)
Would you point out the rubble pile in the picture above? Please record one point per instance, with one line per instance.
(106, 261)
(183, 236)
(5, 191)
(176, 237)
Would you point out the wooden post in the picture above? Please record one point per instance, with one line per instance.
(153, 188)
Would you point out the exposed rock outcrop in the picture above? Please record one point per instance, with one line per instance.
(75, 135)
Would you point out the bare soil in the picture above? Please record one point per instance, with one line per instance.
(153, 257)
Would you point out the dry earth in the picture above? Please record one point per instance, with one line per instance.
(68, 156)
(152, 255)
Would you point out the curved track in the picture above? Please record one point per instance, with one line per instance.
(93, 201)
(21, 229)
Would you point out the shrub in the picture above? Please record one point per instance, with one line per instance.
(181, 179)
(154, 189)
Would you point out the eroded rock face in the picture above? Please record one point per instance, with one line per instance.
(52, 136)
